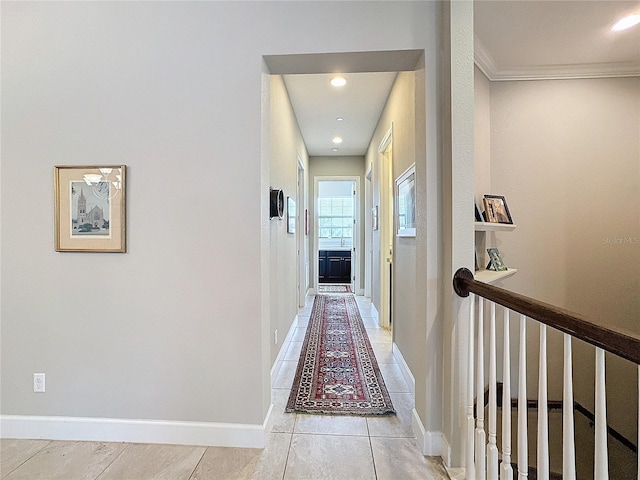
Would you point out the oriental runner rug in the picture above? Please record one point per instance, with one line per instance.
(337, 372)
(334, 289)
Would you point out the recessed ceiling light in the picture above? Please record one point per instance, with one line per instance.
(339, 119)
(338, 81)
(334, 149)
(627, 22)
(337, 140)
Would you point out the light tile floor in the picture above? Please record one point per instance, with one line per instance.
(300, 446)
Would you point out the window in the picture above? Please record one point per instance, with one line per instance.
(335, 221)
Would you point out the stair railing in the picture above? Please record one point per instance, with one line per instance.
(482, 463)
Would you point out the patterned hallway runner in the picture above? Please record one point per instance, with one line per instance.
(337, 372)
(334, 288)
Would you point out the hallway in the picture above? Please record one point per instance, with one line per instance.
(300, 446)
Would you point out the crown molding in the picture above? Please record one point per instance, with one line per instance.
(483, 59)
(486, 63)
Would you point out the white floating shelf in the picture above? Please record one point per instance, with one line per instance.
(494, 227)
(490, 276)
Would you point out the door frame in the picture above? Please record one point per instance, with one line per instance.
(302, 258)
(387, 234)
(357, 246)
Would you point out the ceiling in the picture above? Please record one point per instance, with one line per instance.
(318, 105)
(514, 40)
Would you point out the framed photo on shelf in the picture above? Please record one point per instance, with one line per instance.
(477, 213)
(90, 208)
(291, 215)
(496, 209)
(495, 260)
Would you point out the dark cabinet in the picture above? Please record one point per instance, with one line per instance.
(334, 266)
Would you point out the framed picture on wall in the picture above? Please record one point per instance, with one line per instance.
(306, 221)
(90, 208)
(291, 215)
(406, 203)
(374, 218)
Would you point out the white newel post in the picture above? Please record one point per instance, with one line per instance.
(568, 437)
(506, 470)
(480, 434)
(523, 447)
(470, 471)
(601, 464)
(492, 447)
(543, 420)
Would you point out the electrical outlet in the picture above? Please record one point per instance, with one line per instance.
(38, 382)
(275, 336)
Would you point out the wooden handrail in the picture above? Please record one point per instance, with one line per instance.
(617, 341)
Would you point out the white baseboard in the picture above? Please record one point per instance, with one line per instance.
(404, 368)
(445, 451)
(135, 431)
(374, 311)
(275, 368)
(431, 443)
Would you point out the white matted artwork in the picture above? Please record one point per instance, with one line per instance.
(90, 208)
(406, 203)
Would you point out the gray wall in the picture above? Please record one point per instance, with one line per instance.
(286, 147)
(180, 327)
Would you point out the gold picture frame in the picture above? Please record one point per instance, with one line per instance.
(90, 208)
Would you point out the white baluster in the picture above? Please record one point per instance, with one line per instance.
(480, 435)
(601, 465)
(523, 447)
(568, 437)
(492, 448)
(470, 471)
(506, 470)
(543, 420)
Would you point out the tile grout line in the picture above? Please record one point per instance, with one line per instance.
(373, 458)
(286, 461)
(26, 460)
(198, 463)
(126, 445)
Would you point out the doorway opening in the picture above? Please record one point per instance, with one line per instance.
(336, 231)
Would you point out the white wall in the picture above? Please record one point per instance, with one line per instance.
(417, 328)
(566, 154)
(408, 330)
(482, 136)
(183, 326)
(287, 146)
